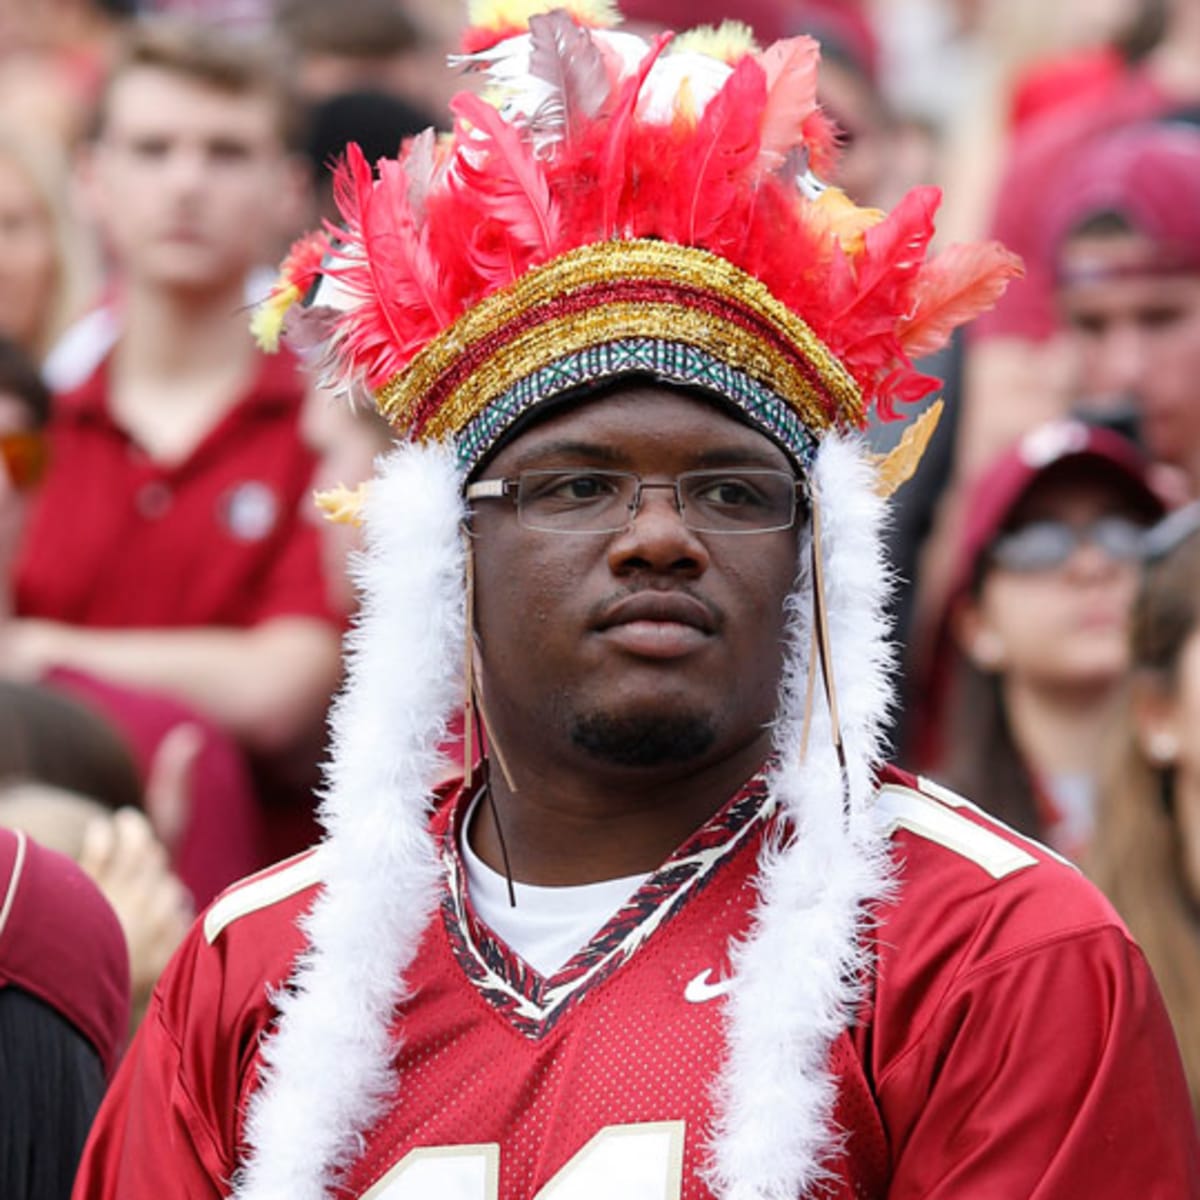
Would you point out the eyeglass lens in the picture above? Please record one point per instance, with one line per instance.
(726, 501)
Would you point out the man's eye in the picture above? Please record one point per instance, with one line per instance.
(570, 488)
(584, 487)
(730, 493)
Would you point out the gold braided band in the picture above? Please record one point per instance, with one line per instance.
(609, 292)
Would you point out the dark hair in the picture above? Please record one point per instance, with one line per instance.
(376, 120)
(53, 1084)
(1138, 854)
(355, 28)
(19, 378)
(47, 737)
(984, 762)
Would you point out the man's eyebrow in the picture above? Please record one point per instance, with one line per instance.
(743, 456)
(589, 451)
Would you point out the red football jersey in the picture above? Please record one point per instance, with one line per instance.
(1013, 1044)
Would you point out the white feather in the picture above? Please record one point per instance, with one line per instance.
(793, 991)
(328, 1065)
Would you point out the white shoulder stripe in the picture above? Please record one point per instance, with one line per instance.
(259, 893)
(903, 808)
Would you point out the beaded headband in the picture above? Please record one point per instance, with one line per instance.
(623, 207)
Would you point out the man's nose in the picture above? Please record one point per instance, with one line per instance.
(656, 537)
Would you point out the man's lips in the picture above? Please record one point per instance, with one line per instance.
(651, 624)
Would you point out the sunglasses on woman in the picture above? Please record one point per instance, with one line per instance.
(1044, 545)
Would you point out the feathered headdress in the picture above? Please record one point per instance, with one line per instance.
(671, 196)
(614, 207)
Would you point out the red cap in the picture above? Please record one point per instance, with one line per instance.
(845, 21)
(1005, 483)
(1150, 175)
(61, 941)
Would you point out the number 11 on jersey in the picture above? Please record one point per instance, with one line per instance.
(635, 1162)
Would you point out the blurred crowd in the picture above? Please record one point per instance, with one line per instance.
(171, 603)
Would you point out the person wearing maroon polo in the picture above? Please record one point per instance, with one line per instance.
(167, 550)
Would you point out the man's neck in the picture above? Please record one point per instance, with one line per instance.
(182, 361)
(1059, 733)
(580, 823)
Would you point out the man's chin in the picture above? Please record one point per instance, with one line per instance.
(650, 740)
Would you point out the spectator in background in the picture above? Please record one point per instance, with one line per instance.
(178, 470)
(64, 1013)
(219, 838)
(1126, 232)
(46, 267)
(1146, 853)
(1045, 577)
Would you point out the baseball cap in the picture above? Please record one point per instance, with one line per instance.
(1048, 448)
(61, 942)
(1148, 174)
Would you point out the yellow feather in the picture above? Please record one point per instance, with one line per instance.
(342, 505)
(504, 14)
(900, 464)
(729, 42)
(266, 324)
(844, 219)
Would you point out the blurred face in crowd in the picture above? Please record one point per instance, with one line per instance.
(188, 179)
(28, 258)
(865, 132)
(1137, 337)
(1053, 605)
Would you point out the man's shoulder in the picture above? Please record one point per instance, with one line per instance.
(267, 901)
(964, 869)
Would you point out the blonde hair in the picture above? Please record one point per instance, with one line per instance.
(1137, 856)
(42, 164)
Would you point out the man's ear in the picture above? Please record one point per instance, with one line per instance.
(977, 638)
(1155, 713)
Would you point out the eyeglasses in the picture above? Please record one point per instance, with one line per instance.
(24, 456)
(742, 500)
(1044, 545)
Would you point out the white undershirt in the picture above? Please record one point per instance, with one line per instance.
(549, 924)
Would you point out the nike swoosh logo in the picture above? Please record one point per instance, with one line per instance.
(700, 990)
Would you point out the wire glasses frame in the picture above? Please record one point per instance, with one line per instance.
(727, 501)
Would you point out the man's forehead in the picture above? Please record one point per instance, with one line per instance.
(153, 97)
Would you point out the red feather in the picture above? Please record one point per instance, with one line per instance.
(383, 261)
(715, 171)
(790, 68)
(615, 155)
(502, 166)
(953, 288)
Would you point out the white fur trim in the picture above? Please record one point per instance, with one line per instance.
(794, 988)
(329, 1062)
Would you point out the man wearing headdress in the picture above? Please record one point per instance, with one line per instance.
(678, 932)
